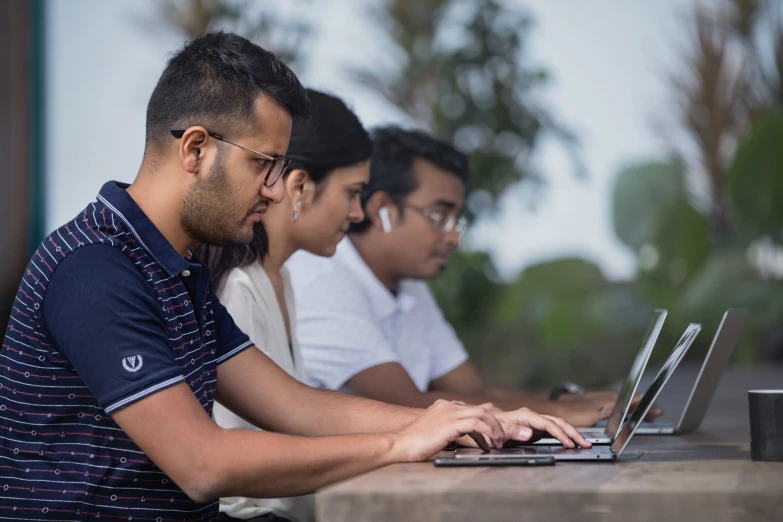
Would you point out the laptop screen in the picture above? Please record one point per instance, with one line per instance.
(715, 362)
(655, 388)
(631, 382)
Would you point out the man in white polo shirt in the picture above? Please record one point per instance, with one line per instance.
(366, 320)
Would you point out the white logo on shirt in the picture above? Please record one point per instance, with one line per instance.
(133, 363)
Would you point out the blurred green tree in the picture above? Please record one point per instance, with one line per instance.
(754, 179)
(695, 249)
(465, 75)
(560, 320)
(652, 215)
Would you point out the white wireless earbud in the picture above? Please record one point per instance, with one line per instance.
(383, 213)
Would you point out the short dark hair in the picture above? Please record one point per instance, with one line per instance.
(330, 138)
(214, 81)
(391, 166)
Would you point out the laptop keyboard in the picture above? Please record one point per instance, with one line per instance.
(558, 450)
(654, 424)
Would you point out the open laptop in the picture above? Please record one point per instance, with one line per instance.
(600, 453)
(607, 434)
(715, 363)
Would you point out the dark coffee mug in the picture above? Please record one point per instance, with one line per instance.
(766, 424)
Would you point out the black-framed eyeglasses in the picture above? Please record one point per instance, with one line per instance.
(443, 222)
(277, 164)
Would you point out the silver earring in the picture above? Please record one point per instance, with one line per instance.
(297, 210)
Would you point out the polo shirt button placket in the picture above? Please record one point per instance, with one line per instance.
(186, 273)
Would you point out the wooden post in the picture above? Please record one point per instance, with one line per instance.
(21, 142)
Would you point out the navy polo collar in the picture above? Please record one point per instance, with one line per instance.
(117, 199)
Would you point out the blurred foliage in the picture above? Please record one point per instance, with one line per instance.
(755, 179)
(641, 193)
(695, 259)
(466, 76)
(559, 320)
(652, 215)
(258, 22)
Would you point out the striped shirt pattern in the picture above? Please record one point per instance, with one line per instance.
(62, 457)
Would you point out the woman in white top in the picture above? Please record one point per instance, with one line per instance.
(330, 164)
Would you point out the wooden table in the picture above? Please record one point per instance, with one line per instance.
(706, 475)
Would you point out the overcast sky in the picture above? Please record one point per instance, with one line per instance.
(608, 62)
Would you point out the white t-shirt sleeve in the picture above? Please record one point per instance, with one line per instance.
(447, 352)
(338, 334)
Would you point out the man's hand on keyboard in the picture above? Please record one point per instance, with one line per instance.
(524, 425)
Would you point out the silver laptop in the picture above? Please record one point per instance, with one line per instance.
(715, 363)
(601, 453)
(605, 435)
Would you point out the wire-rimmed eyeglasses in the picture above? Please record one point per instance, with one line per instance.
(444, 222)
(277, 164)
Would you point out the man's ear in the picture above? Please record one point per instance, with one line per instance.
(376, 202)
(192, 148)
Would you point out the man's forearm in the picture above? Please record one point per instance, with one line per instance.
(579, 412)
(514, 395)
(206, 461)
(535, 401)
(532, 401)
(268, 465)
(277, 402)
(334, 413)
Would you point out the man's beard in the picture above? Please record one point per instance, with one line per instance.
(207, 210)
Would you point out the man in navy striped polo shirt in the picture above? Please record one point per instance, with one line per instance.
(117, 347)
